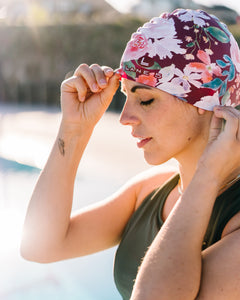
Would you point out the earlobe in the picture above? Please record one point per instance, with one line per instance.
(201, 111)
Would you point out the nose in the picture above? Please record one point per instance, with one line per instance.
(128, 115)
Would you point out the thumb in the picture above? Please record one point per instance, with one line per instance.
(108, 93)
(215, 127)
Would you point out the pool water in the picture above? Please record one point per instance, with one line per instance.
(26, 138)
(26, 134)
(84, 278)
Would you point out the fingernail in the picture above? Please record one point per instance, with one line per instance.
(109, 71)
(95, 87)
(82, 99)
(102, 81)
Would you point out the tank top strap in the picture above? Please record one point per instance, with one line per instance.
(164, 191)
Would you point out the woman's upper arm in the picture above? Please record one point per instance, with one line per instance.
(100, 226)
(221, 269)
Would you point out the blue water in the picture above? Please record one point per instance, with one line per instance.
(85, 278)
(26, 136)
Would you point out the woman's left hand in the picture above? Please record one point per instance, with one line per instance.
(222, 154)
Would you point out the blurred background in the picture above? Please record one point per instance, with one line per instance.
(42, 42)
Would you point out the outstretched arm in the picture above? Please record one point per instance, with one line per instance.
(174, 266)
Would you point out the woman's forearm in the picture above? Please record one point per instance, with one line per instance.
(171, 268)
(48, 214)
(84, 99)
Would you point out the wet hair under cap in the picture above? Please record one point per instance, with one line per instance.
(189, 54)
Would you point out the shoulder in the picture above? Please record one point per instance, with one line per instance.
(147, 181)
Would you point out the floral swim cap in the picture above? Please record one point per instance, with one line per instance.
(189, 54)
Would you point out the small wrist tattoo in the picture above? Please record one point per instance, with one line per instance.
(61, 146)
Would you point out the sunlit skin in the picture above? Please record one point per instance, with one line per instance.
(176, 129)
(167, 127)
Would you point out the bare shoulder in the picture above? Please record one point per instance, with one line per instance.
(149, 180)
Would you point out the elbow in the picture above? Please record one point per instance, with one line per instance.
(34, 255)
(31, 251)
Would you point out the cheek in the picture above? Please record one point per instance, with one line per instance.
(174, 125)
(175, 135)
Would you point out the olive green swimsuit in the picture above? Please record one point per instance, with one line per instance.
(146, 222)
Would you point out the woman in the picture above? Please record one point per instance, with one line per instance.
(179, 233)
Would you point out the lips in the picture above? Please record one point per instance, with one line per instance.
(142, 141)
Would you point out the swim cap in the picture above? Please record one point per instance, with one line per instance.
(189, 54)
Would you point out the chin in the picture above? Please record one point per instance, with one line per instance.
(155, 160)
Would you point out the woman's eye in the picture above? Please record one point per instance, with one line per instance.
(148, 102)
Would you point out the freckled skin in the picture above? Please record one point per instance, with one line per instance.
(176, 128)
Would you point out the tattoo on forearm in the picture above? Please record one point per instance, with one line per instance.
(61, 146)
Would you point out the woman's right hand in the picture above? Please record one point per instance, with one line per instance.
(221, 157)
(86, 96)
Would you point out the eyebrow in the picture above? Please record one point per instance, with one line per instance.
(133, 89)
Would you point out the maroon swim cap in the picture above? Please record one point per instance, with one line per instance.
(189, 54)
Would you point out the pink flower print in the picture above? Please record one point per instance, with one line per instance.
(139, 42)
(188, 38)
(198, 17)
(161, 37)
(205, 39)
(232, 89)
(235, 87)
(209, 51)
(136, 48)
(157, 37)
(166, 73)
(208, 102)
(237, 94)
(189, 56)
(206, 68)
(147, 79)
(237, 80)
(185, 78)
(235, 53)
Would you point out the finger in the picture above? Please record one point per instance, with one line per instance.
(108, 71)
(234, 110)
(101, 77)
(232, 119)
(111, 89)
(75, 85)
(87, 74)
(215, 128)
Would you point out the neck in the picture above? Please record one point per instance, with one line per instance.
(187, 162)
(230, 180)
(188, 159)
(186, 174)
(187, 170)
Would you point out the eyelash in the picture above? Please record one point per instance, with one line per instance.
(148, 102)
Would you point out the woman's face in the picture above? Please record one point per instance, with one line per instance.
(165, 126)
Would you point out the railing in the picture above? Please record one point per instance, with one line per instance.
(45, 93)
